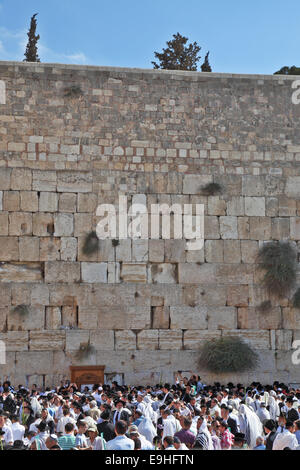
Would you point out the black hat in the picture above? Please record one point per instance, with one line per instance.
(269, 424)
(239, 437)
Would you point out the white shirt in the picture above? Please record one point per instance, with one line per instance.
(285, 439)
(120, 443)
(8, 436)
(63, 421)
(18, 431)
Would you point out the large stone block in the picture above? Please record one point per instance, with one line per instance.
(237, 274)
(134, 272)
(5, 174)
(21, 272)
(39, 294)
(68, 202)
(102, 340)
(251, 318)
(253, 185)
(280, 228)
(156, 251)
(160, 316)
(88, 317)
(53, 318)
(291, 318)
(214, 252)
(15, 340)
(260, 228)
(33, 320)
(249, 250)
(257, 339)
(147, 340)
(195, 339)
(62, 271)
(11, 201)
(255, 206)
(20, 223)
(3, 224)
(21, 179)
(29, 201)
(232, 251)
(74, 338)
(211, 228)
(194, 318)
(50, 248)
(29, 248)
(124, 317)
(44, 180)
(47, 340)
(87, 202)
(238, 296)
(222, 318)
(68, 250)
(216, 206)
(74, 182)
(63, 225)
(42, 224)
(193, 184)
(83, 224)
(125, 340)
(193, 273)
(48, 202)
(236, 206)
(139, 250)
(9, 249)
(295, 228)
(170, 339)
(164, 273)
(292, 188)
(228, 227)
(94, 272)
(41, 362)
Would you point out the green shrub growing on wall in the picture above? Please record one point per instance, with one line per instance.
(211, 189)
(278, 260)
(21, 309)
(227, 354)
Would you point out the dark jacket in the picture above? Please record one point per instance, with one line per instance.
(107, 429)
(270, 440)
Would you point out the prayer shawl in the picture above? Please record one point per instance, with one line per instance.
(169, 426)
(273, 408)
(204, 430)
(147, 429)
(250, 425)
(263, 414)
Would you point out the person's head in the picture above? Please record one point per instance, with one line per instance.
(223, 426)
(165, 413)
(186, 423)
(82, 427)
(259, 441)
(92, 432)
(239, 439)
(269, 425)
(51, 441)
(215, 425)
(168, 441)
(282, 419)
(120, 427)
(105, 415)
(44, 414)
(119, 405)
(290, 426)
(42, 426)
(177, 442)
(69, 428)
(138, 414)
(157, 442)
(224, 411)
(297, 425)
(137, 443)
(200, 421)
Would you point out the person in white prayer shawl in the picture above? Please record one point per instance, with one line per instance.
(273, 406)
(147, 429)
(286, 438)
(250, 425)
(262, 412)
(169, 424)
(203, 429)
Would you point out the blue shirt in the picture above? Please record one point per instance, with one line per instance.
(120, 443)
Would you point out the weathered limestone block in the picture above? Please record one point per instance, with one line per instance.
(15, 340)
(255, 206)
(33, 320)
(123, 250)
(68, 248)
(39, 294)
(53, 318)
(5, 294)
(164, 273)
(295, 228)
(11, 201)
(260, 228)
(50, 248)
(139, 250)
(160, 316)
(170, 339)
(67, 202)
(244, 228)
(48, 202)
(133, 272)
(124, 317)
(88, 317)
(249, 249)
(47, 340)
(236, 206)
(106, 251)
(283, 339)
(193, 184)
(63, 225)
(5, 174)
(42, 224)
(3, 224)
(81, 256)
(204, 295)
(292, 188)
(21, 178)
(228, 227)
(156, 251)
(76, 337)
(4, 312)
(271, 206)
(87, 202)
(21, 272)
(20, 294)
(291, 318)
(102, 340)
(62, 271)
(253, 185)
(251, 318)
(41, 362)
(69, 316)
(94, 272)
(280, 228)
(194, 339)
(43, 180)
(9, 249)
(238, 296)
(147, 340)
(74, 182)
(284, 363)
(211, 228)
(193, 273)
(175, 251)
(20, 223)
(257, 339)
(172, 293)
(216, 206)
(228, 274)
(29, 248)
(82, 224)
(193, 318)
(29, 201)
(286, 207)
(232, 251)
(125, 340)
(222, 318)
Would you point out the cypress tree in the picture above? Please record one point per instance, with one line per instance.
(31, 53)
(205, 67)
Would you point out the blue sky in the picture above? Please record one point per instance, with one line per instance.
(243, 36)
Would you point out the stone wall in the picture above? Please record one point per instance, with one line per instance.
(73, 137)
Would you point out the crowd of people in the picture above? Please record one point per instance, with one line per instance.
(187, 415)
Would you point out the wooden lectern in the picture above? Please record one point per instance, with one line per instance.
(84, 375)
